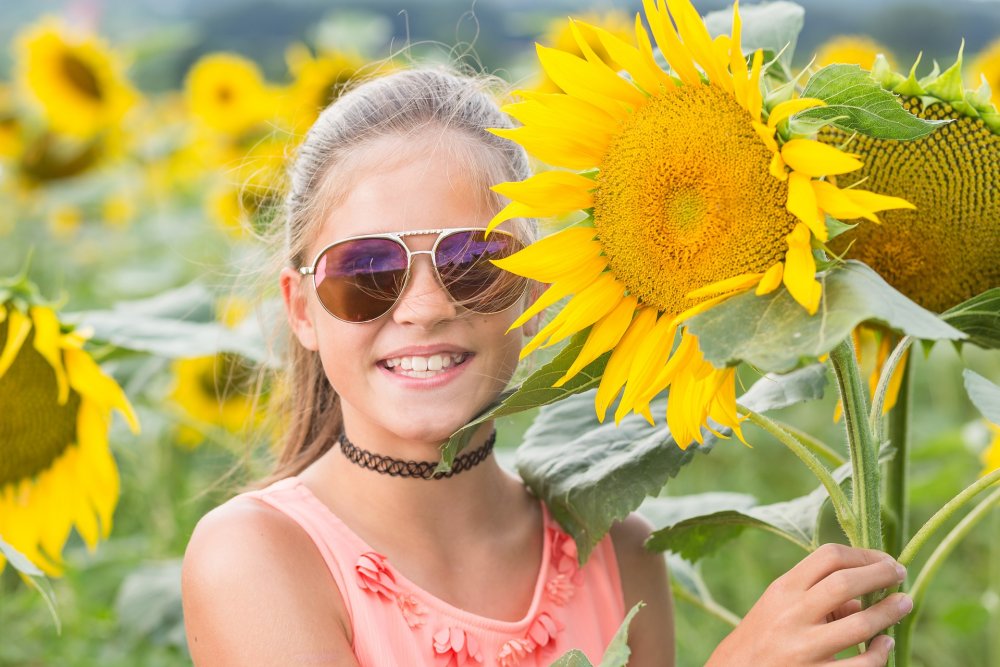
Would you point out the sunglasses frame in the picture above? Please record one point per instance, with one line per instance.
(310, 270)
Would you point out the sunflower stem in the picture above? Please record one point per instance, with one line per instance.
(814, 444)
(864, 454)
(709, 606)
(841, 505)
(898, 470)
(930, 568)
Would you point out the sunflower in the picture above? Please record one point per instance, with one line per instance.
(76, 79)
(227, 93)
(693, 196)
(318, 81)
(991, 455)
(561, 36)
(56, 471)
(945, 251)
(857, 49)
(987, 65)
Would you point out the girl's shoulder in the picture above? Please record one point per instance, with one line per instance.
(246, 565)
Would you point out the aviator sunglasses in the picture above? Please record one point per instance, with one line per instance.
(360, 278)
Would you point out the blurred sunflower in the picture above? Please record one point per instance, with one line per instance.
(76, 78)
(318, 81)
(249, 193)
(10, 125)
(560, 36)
(987, 65)
(226, 93)
(854, 49)
(693, 199)
(945, 251)
(56, 471)
(991, 455)
(215, 390)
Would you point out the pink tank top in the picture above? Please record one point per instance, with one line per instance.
(395, 622)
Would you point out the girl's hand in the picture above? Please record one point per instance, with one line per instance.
(810, 614)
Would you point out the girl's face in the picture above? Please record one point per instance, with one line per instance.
(403, 185)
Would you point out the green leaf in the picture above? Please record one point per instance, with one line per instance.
(984, 394)
(33, 577)
(179, 324)
(535, 391)
(773, 26)
(687, 584)
(855, 102)
(773, 332)
(149, 604)
(591, 475)
(618, 651)
(979, 317)
(723, 516)
(574, 658)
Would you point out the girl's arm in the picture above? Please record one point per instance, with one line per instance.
(811, 613)
(644, 577)
(256, 592)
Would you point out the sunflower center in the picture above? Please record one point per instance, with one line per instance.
(945, 251)
(34, 428)
(81, 76)
(224, 94)
(227, 377)
(685, 199)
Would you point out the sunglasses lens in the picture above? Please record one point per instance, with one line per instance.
(360, 280)
(463, 261)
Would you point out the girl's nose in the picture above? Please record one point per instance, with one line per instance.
(424, 301)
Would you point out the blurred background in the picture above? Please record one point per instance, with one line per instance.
(142, 147)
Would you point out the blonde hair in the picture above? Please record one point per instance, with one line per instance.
(404, 103)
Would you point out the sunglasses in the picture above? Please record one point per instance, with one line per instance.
(360, 279)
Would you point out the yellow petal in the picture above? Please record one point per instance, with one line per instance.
(87, 378)
(677, 55)
(771, 279)
(590, 305)
(18, 326)
(815, 159)
(46, 342)
(594, 83)
(630, 58)
(833, 201)
(787, 108)
(734, 284)
(603, 336)
(737, 61)
(872, 201)
(620, 362)
(559, 190)
(569, 283)
(646, 51)
(697, 40)
(754, 99)
(803, 205)
(778, 168)
(559, 151)
(556, 109)
(554, 256)
(766, 135)
(800, 270)
(700, 308)
(651, 355)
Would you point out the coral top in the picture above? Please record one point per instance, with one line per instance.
(395, 622)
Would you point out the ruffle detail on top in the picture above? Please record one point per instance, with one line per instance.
(514, 651)
(411, 609)
(373, 575)
(454, 647)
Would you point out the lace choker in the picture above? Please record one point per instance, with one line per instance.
(387, 465)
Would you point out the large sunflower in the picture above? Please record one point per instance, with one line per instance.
(947, 250)
(56, 470)
(694, 197)
(76, 79)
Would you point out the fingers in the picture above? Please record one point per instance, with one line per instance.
(828, 559)
(845, 610)
(861, 626)
(843, 585)
(876, 656)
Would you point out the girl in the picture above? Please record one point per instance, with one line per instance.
(353, 553)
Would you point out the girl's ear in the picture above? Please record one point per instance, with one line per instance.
(297, 309)
(531, 327)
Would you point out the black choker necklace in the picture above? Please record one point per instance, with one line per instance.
(419, 469)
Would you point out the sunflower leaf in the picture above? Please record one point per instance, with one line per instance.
(618, 652)
(34, 578)
(979, 317)
(591, 475)
(574, 658)
(855, 102)
(694, 526)
(984, 394)
(774, 27)
(773, 332)
(535, 391)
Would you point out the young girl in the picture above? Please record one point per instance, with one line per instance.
(353, 553)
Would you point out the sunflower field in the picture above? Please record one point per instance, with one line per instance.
(770, 237)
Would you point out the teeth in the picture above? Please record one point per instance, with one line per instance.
(425, 366)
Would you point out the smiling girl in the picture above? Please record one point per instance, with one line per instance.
(354, 552)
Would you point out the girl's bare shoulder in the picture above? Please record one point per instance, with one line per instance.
(256, 590)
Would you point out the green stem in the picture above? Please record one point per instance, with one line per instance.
(943, 514)
(841, 505)
(813, 444)
(930, 568)
(864, 455)
(709, 605)
(993, 650)
(898, 470)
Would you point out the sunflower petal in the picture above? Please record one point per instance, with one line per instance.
(872, 201)
(47, 344)
(695, 36)
(631, 59)
(571, 282)
(803, 205)
(734, 284)
(554, 256)
(590, 305)
(815, 159)
(677, 55)
(561, 151)
(18, 327)
(787, 108)
(737, 61)
(651, 355)
(771, 279)
(561, 190)
(754, 99)
(594, 83)
(800, 270)
(87, 378)
(620, 363)
(603, 336)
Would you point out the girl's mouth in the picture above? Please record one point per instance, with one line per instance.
(424, 366)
